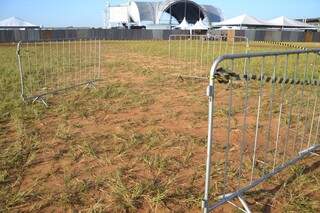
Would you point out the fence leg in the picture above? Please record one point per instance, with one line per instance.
(40, 99)
(244, 204)
(245, 208)
(90, 84)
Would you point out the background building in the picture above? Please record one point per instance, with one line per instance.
(164, 14)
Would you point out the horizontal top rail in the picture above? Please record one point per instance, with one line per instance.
(255, 55)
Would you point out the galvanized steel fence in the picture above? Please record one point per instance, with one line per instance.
(190, 55)
(48, 67)
(264, 115)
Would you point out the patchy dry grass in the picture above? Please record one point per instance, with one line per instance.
(136, 143)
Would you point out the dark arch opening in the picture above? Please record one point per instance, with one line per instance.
(189, 9)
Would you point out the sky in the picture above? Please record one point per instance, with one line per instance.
(90, 13)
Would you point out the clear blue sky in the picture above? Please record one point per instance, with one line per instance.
(61, 13)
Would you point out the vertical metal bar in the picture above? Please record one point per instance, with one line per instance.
(257, 119)
(233, 43)
(317, 132)
(44, 66)
(36, 71)
(309, 99)
(75, 61)
(270, 109)
(244, 127)
(99, 75)
(64, 84)
(280, 114)
(301, 102)
(213, 49)
(210, 92)
(51, 66)
(290, 110)
(220, 47)
(94, 59)
(80, 62)
(191, 41)
(69, 61)
(58, 66)
(208, 52)
(227, 148)
(180, 51)
(312, 121)
(196, 56)
(186, 53)
(85, 61)
(18, 53)
(201, 57)
(318, 123)
(226, 51)
(293, 95)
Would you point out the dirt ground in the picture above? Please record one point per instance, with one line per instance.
(135, 143)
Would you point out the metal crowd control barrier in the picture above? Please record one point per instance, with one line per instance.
(264, 115)
(190, 55)
(49, 67)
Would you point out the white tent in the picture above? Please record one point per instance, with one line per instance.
(243, 20)
(184, 25)
(286, 22)
(199, 25)
(15, 22)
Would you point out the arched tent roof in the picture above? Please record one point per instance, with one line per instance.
(141, 11)
(190, 10)
(213, 14)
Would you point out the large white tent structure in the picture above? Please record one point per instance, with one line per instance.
(150, 13)
(184, 25)
(285, 22)
(14, 22)
(199, 25)
(242, 20)
(245, 21)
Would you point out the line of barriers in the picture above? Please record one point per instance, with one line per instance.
(264, 115)
(49, 67)
(190, 55)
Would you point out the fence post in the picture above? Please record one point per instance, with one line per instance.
(20, 70)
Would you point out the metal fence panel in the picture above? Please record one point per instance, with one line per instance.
(190, 55)
(264, 115)
(53, 66)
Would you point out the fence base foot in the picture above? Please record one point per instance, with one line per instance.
(40, 99)
(180, 78)
(185, 77)
(244, 204)
(90, 84)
